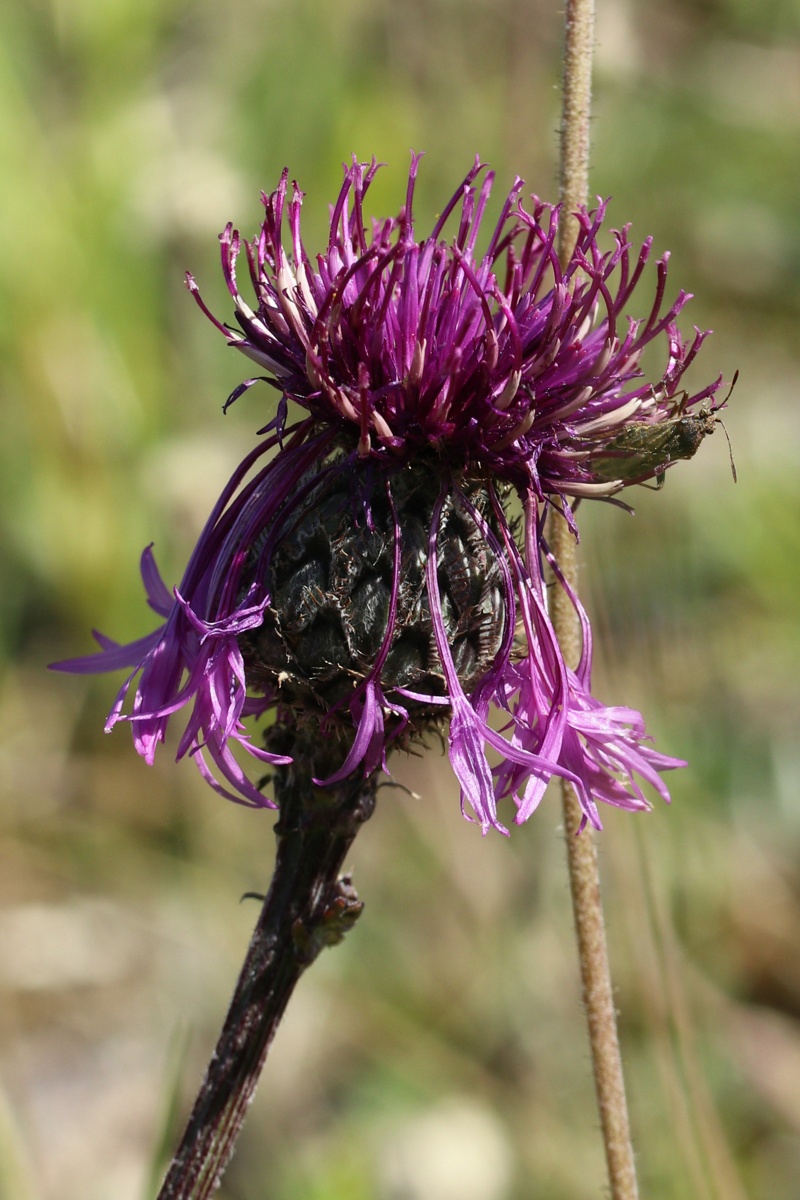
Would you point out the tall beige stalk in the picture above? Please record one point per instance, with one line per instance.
(581, 850)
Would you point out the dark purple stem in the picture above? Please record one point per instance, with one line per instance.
(307, 908)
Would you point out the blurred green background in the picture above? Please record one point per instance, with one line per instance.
(440, 1053)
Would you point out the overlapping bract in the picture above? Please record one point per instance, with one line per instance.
(496, 366)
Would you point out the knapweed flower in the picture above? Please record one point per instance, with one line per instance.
(377, 562)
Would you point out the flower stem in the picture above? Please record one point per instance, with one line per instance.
(308, 907)
(581, 850)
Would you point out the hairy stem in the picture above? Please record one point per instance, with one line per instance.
(584, 875)
(308, 907)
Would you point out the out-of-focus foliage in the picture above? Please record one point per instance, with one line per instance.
(440, 1052)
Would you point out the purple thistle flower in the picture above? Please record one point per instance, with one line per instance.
(378, 564)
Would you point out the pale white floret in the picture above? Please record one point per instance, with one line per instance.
(576, 402)
(509, 391)
(302, 281)
(340, 399)
(617, 417)
(381, 426)
(604, 357)
(587, 490)
(586, 324)
(287, 286)
(518, 431)
(251, 317)
(258, 356)
(417, 362)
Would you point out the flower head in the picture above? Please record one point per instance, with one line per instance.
(377, 563)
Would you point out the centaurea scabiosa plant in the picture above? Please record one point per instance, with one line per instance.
(375, 564)
(375, 567)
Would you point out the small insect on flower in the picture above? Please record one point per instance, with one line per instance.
(645, 451)
(375, 565)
